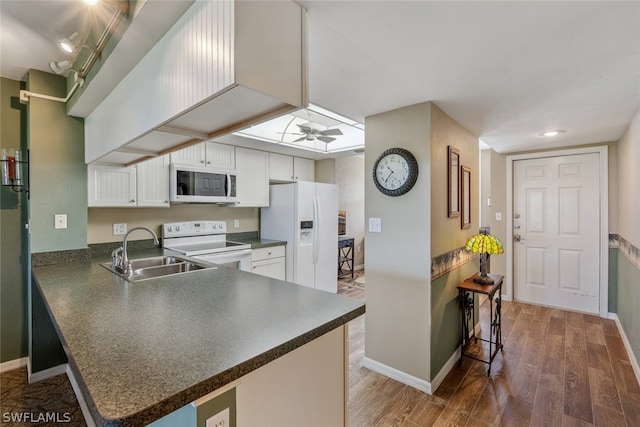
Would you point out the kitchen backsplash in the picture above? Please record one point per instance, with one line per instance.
(100, 220)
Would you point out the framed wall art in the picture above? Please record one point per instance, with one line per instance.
(465, 196)
(454, 182)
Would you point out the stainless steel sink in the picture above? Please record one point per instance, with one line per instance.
(149, 268)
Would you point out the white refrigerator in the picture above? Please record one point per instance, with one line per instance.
(305, 215)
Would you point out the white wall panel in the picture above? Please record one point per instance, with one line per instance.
(570, 267)
(193, 61)
(535, 258)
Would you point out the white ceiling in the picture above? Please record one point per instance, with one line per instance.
(506, 70)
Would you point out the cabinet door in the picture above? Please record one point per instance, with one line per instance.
(303, 169)
(153, 182)
(253, 177)
(280, 167)
(220, 155)
(274, 268)
(194, 155)
(111, 186)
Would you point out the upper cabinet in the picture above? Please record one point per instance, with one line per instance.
(231, 64)
(207, 154)
(253, 177)
(143, 185)
(283, 168)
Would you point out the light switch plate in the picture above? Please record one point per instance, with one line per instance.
(498, 216)
(60, 221)
(236, 223)
(375, 225)
(119, 229)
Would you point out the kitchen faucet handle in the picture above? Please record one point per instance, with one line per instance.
(116, 260)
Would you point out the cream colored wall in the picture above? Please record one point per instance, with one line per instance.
(101, 220)
(446, 233)
(397, 331)
(325, 171)
(350, 176)
(628, 178)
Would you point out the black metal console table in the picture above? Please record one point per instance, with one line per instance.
(466, 291)
(345, 256)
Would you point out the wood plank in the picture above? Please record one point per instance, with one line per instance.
(532, 354)
(569, 421)
(598, 357)
(552, 376)
(607, 417)
(556, 326)
(593, 333)
(554, 347)
(603, 390)
(616, 348)
(574, 337)
(631, 408)
(517, 412)
(625, 378)
(404, 403)
(492, 401)
(575, 320)
(591, 318)
(577, 393)
(547, 408)
(609, 327)
(425, 414)
(525, 382)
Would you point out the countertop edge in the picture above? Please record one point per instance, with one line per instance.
(209, 385)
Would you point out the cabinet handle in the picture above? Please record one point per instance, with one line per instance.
(166, 201)
(201, 161)
(133, 200)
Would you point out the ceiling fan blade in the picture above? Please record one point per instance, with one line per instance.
(330, 132)
(305, 129)
(300, 139)
(325, 138)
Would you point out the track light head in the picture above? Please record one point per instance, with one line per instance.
(60, 67)
(71, 43)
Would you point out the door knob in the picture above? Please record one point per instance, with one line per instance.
(516, 227)
(516, 216)
(518, 238)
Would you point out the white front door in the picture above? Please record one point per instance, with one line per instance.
(556, 221)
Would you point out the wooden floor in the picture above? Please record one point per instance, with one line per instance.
(558, 368)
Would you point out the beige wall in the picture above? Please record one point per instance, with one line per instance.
(446, 233)
(349, 175)
(325, 171)
(399, 258)
(628, 173)
(101, 220)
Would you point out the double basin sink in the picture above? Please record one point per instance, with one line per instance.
(149, 268)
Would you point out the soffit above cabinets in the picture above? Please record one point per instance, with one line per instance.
(220, 68)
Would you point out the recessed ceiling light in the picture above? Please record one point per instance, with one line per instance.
(550, 133)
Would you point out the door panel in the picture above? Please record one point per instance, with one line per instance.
(557, 216)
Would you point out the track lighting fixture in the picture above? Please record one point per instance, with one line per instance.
(71, 43)
(60, 67)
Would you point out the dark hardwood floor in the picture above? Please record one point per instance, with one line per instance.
(558, 368)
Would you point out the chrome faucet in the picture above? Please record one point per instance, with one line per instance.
(121, 262)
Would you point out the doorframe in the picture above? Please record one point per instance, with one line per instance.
(603, 152)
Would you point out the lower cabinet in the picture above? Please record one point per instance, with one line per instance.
(269, 261)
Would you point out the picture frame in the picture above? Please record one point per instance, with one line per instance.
(465, 193)
(453, 181)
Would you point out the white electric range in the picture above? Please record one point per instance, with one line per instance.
(206, 240)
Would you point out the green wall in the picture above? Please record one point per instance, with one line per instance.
(58, 172)
(13, 236)
(628, 301)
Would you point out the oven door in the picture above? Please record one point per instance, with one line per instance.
(240, 260)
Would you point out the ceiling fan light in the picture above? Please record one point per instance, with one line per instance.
(70, 44)
(60, 67)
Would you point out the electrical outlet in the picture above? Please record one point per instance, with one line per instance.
(358, 249)
(221, 419)
(119, 229)
(60, 221)
(236, 223)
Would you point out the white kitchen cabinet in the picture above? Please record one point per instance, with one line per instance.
(252, 167)
(111, 186)
(303, 169)
(152, 177)
(283, 168)
(206, 154)
(269, 261)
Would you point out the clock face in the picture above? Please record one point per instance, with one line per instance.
(395, 172)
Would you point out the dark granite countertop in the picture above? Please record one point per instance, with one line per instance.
(254, 240)
(142, 350)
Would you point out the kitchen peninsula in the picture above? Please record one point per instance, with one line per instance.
(140, 351)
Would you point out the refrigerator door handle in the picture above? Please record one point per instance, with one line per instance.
(316, 224)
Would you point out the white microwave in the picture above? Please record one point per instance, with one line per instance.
(193, 184)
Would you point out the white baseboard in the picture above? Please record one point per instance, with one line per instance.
(397, 375)
(46, 374)
(627, 346)
(88, 418)
(10, 365)
(448, 366)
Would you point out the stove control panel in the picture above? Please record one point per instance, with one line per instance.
(193, 228)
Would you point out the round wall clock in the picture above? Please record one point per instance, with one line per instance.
(395, 172)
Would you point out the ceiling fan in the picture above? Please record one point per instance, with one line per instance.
(308, 133)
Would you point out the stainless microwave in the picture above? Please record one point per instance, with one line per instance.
(193, 184)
